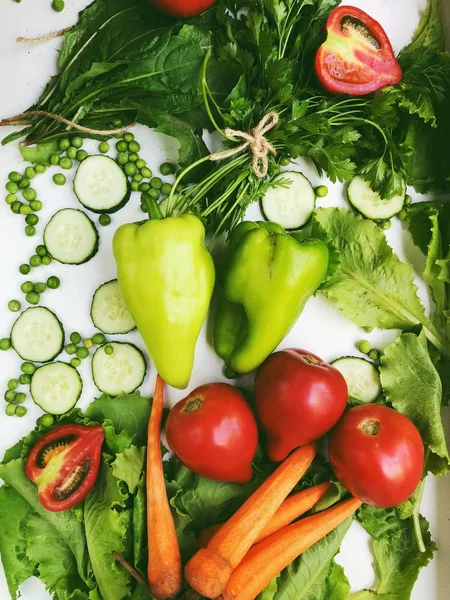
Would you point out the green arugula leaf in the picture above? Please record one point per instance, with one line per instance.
(128, 466)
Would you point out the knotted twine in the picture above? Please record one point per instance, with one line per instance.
(255, 140)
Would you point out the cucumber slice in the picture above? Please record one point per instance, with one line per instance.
(100, 185)
(71, 237)
(37, 335)
(361, 376)
(109, 313)
(56, 388)
(123, 371)
(370, 204)
(291, 206)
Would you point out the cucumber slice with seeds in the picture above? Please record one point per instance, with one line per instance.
(123, 371)
(370, 204)
(101, 185)
(361, 376)
(37, 335)
(290, 205)
(71, 237)
(109, 313)
(56, 387)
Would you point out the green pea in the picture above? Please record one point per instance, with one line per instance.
(384, 225)
(134, 147)
(13, 384)
(65, 163)
(156, 183)
(40, 169)
(166, 169)
(36, 205)
(144, 187)
(5, 344)
(122, 158)
(27, 286)
(75, 337)
(138, 177)
(59, 178)
(10, 395)
(401, 215)
(134, 185)
(98, 339)
(21, 411)
(408, 200)
(121, 146)
(143, 207)
(128, 137)
(75, 362)
(54, 159)
(25, 379)
(15, 207)
(46, 260)
(35, 261)
(109, 350)
(77, 141)
(71, 348)
(104, 220)
(72, 152)
(32, 219)
(81, 155)
(133, 157)
(103, 147)
(41, 250)
(25, 210)
(46, 420)
(10, 198)
(166, 188)
(24, 269)
(20, 398)
(40, 287)
(130, 169)
(30, 230)
(82, 353)
(12, 187)
(285, 161)
(141, 164)
(32, 298)
(321, 191)
(14, 176)
(88, 343)
(63, 144)
(28, 368)
(117, 122)
(14, 305)
(10, 410)
(24, 183)
(30, 173)
(153, 194)
(364, 346)
(374, 354)
(53, 282)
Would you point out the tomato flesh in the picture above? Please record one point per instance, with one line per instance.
(214, 433)
(183, 8)
(377, 454)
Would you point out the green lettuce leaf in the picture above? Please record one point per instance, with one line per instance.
(140, 545)
(128, 466)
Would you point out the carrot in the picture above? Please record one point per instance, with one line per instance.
(164, 566)
(265, 560)
(210, 568)
(292, 508)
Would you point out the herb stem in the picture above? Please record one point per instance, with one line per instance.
(416, 517)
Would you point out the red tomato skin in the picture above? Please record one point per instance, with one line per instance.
(214, 433)
(298, 400)
(183, 8)
(382, 470)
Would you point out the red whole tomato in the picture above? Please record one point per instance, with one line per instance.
(377, 454)
(214, 433)
(183, 8)
(298, 399)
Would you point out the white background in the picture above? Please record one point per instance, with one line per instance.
(24, 69)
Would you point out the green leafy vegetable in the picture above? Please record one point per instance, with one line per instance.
(128, 466)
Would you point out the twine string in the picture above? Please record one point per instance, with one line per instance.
(43, 38)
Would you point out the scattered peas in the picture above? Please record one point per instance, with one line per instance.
(59, 178)
(321, 191)
(41, 250)
(21, 411)
(82, 353)
(146, 172)
(374, 354)
(10, 410)
(10, 198)
(30, 173)
(32, 219)
(32, 298)
(81, 155)
(24, 183)
(122, 158)
(12, 187)
(14, 305)
(117, 122)
(128, 137)
(138, 177)
(98, 339)
(130, 169)
(103, 147)
(27, 368)
(121, 146)
(133, 157)
(13, 384)
(109, 350)
(71, 348)
(54, 159)
(40, 168)
(14, 176)
(134, 185)
(53, 283)
(63, 144)
(15, 207)
(141, 163)
(384, 225)
(27, 286)
(5, 344)
(75, 337)
(134, 146)
(364, 346)
(40, 287)
(156, 183)
(25, 210)
(166, 169)
(46, 420)
(24, 269)
(88, 343)
(104, 220)
(30, 230)
(77, 141)
(143, 207)
(65, 163)
(36, 205)
(72, 152)
(166, 188)
(75, 362)
(25, 379)
(20, 398)
(285, 161)
(46, 260)
(10, 395)
(144, 187)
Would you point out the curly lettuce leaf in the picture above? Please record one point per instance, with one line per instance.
(128, 466)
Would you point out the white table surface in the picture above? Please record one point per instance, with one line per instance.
(24, 69)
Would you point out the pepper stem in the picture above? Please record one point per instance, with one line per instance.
(154, 212)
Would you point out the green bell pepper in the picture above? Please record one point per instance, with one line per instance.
(166, 276)
(268, 278)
